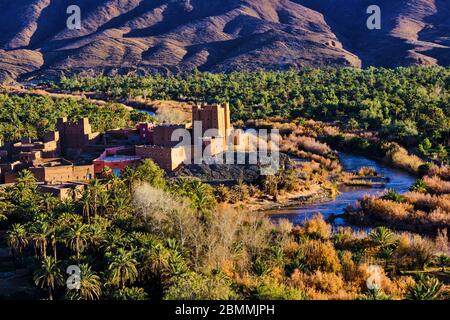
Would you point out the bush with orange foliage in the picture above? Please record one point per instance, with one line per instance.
(428, 202)
(402, 216)
(400, 158)
(414, 251)
(436, 185)
(312, 145)
(319, 255)
(385, 210)
(441, 171)
(317, 227)
(318, 285)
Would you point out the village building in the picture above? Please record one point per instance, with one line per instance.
(73, 152)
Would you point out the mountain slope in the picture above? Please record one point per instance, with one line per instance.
(170, 36)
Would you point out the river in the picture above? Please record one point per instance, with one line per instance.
(398, 180)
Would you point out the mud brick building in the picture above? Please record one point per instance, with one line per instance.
(75, 136)
(116, 159)
(73, 152)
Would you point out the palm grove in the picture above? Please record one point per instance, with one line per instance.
(408, 105)
(144, 237)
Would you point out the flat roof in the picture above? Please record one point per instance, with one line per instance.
(119, 158)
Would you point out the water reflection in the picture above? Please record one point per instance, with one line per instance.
(397, 180)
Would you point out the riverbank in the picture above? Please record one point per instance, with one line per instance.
(316, 194)
(399, 180)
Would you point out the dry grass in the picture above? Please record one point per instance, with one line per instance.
(441, 171)
(386, 210)
(312, 145)
(400, 158)
(428, 202)
(436, 185)
(367, 172)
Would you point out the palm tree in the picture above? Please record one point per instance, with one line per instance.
(4, 209)
(131, 176)
(90, 285)
(123, 268)
(40, 232)
(18, 238)
(24, 187)
(48, 276)
(48, 201)
(94, 189)
(96, 235)
(202, 198)
(426, 288)
(382, 236)
(120, 204)
(73, 192)
(26, 177)
(86, 205)
(156, 259)
(76, 237)
(103, 202)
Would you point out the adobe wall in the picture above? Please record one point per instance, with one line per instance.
(56, 174)
(213, 117)
(162, 135)
(85, 172)
(167, 158)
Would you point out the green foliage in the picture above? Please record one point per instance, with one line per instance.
(271, 290)
(381, 236)
(199, 287)
(426, 288)
(393, 195)
(404, 102)
(374, 294)
(48, 275)
(443, 261)
(425, 147)
(419, 186)
(132, 293)
(31, 116)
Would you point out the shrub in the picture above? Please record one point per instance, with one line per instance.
(317, 227)
(321, 256)
(132, 293)
(393, 195)
(271, 290)
(426, 288)
(428, 202)
(415, 251)
(312, 145)
(436, 185)
(441, 171)
(385, 210)
(222, 194)
(400, 157)
(199, 287)
(419, 186)
(367, 172)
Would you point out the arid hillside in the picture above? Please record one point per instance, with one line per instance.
(169, 36)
